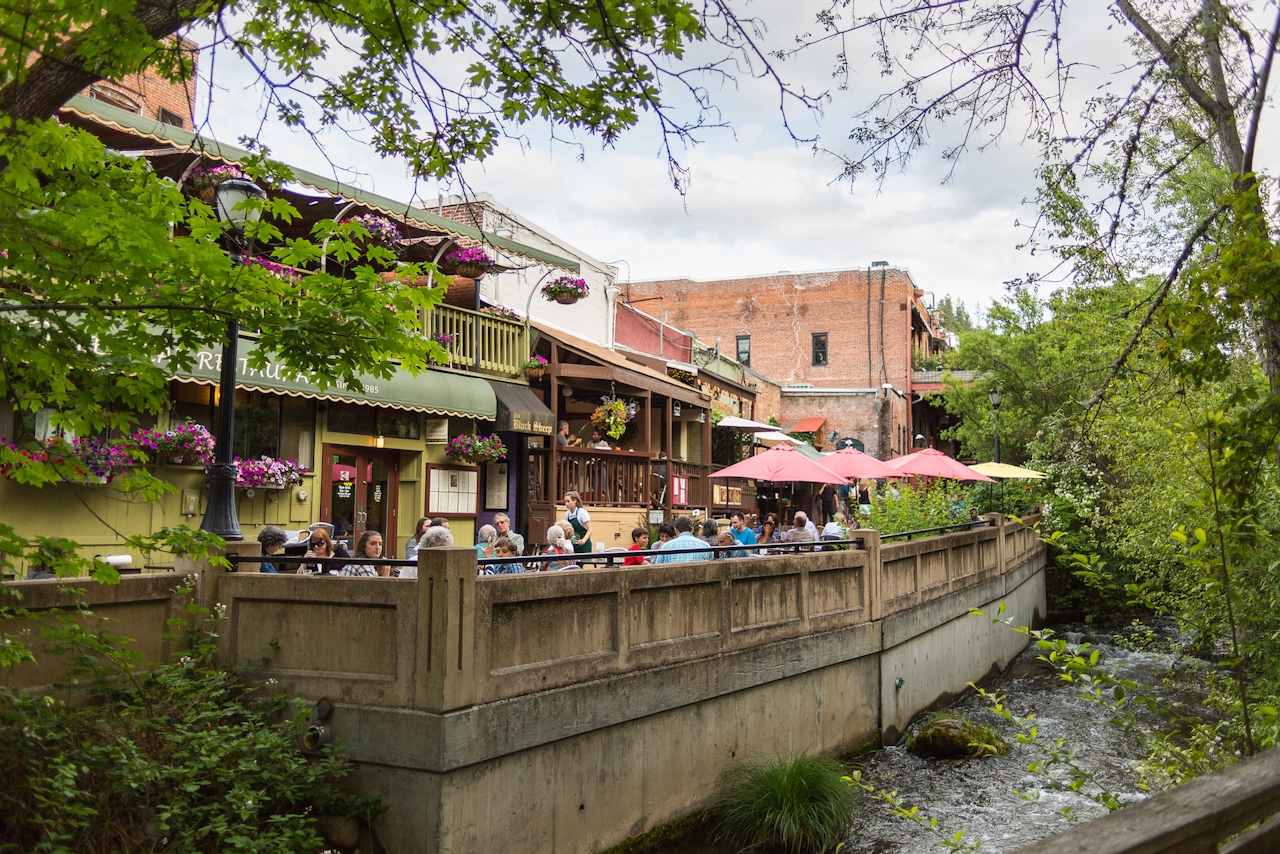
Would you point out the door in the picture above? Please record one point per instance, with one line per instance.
(359, 494)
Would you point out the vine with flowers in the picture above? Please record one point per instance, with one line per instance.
(613, 414)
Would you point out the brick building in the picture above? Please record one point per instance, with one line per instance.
(840, 344)
(148, 94)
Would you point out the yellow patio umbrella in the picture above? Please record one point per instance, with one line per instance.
(1004, 470)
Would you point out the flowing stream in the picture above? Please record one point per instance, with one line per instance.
(981, 797)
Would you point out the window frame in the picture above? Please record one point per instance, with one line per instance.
(738, 342)
(826, 349)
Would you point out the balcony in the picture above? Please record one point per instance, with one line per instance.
(618, 479)
(479, 343)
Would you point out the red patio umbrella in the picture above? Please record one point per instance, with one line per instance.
(782, 464)
(854, 464)
(933, 463)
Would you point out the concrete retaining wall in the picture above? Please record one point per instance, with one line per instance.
(567, 712)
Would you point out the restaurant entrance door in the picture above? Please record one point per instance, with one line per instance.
(359, 494)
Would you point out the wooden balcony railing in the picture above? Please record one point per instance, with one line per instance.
(479, 342)
(604, 478)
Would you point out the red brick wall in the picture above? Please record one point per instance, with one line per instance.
(146, 93)
(884, 432)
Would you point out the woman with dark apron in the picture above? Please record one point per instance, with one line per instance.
(579, 520)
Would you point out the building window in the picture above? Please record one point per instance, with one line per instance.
(820, 349)
(265, 424)
(744, 350)
(169, 117)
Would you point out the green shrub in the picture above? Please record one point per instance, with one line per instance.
(184, 758)
(800, 804)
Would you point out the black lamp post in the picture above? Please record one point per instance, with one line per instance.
(220, 513)
(994, 396)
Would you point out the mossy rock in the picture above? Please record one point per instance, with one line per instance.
(954, 737)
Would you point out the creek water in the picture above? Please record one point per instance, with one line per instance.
(981, 797)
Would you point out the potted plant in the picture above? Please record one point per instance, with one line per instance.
(535, 367)
(186, 441)
(475, 449)
(565, 290)
(612, 415)
(203, 181)
(472, 262)
(268, 473)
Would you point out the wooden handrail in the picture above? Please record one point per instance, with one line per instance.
(1191, 819)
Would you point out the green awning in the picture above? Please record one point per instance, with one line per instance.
(437, 392)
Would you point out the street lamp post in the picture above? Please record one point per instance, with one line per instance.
(220, 513)
(994, 396)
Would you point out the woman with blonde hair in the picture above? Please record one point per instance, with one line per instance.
(864, 495)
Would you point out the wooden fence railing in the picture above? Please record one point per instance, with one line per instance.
(604, 478)
(475, 341)
(1194, 818)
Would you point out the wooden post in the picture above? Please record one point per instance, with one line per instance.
(648, 423)
(669, 470)
(875, 573)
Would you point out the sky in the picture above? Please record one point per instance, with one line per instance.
(758, 201)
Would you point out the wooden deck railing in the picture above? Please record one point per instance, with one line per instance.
(491, 345)
(604, 478)
(1194, 818)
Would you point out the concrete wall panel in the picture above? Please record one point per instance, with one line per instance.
(940, 663)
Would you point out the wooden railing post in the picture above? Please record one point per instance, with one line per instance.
(445, 668)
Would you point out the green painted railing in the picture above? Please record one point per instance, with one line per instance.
(479, 342)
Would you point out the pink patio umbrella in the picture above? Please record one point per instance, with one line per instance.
(933, 463)
(856, 465)
(782, 464)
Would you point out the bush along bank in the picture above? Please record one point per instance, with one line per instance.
(186, 757)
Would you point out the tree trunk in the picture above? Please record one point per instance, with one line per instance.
(55, 78)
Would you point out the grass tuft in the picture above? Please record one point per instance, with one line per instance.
(799, 804)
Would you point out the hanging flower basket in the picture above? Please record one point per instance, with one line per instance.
(475, 450)
(471, 263)
(184, 442)
(202, 181)
(101, 459)
(382, 232)
(612, 415)
(565, 290)
(535, 368)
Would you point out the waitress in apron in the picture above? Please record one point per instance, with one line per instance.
(579, 520)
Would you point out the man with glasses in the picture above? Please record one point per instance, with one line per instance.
(502, 523)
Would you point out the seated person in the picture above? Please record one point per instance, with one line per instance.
(486, 537)
(666, 533)
(724, 538)
(504, 547)
(564, 439)
(710, 532)
(557, 544)
(435, 537)
(502, 524)
(685, 540)
(639, 542)
(370, 546)
(799, 532)
(741, 531)
(272, 540)
(598, 440)
(322, 546)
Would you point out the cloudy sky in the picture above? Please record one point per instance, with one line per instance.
(758, 201)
